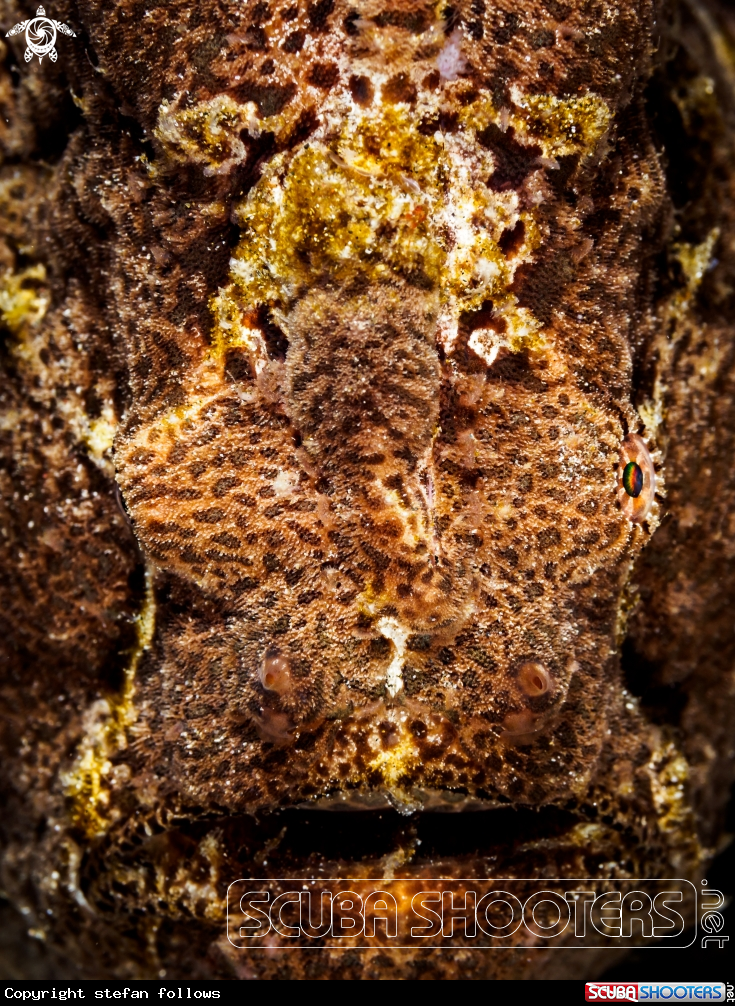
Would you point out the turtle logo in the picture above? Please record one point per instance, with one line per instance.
(41, 35)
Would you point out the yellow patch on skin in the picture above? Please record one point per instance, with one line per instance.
(22, 305)
(101, 435)
(328, 210)
(380, 199)
(669, 774)
(377, 201)
(393, 763)
(565, 126)
(89, 781)
(695, 259)
(560, 126)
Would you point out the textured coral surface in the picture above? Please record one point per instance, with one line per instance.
(366, 476)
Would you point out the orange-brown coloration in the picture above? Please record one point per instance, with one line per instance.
(520, 728)
(534, 679)
(325, 324)
(274, 674)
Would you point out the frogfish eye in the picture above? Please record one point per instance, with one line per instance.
(636, 479)
(633, 479)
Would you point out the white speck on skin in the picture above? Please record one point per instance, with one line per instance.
(398, 634)
(450, 62)
(285, 483)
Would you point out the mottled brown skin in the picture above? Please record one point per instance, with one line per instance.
(250, 493)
